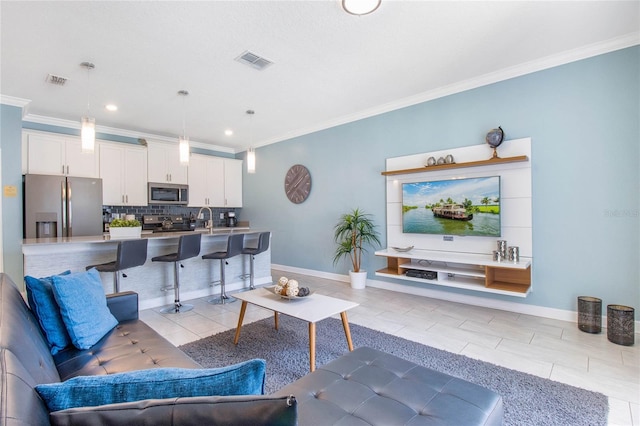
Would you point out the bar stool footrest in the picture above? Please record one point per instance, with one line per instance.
(173, 309)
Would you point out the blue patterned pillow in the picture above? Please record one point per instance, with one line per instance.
(83, 307)
(44, 306)
(245, 378)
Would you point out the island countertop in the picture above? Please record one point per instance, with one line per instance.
(198, 277)
(105, 238)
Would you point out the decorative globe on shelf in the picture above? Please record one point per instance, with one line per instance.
(494, 138)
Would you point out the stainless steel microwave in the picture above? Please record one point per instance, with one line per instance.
(168, 193)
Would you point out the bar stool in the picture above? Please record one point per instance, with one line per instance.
(130, 253)
(188, 247)
(234, 248)
(263, 245)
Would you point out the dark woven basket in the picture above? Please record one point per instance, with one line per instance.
(620, 324)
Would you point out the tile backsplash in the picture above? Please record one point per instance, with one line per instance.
(138, 211)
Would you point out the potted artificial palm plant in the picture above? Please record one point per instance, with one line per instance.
(353, 233)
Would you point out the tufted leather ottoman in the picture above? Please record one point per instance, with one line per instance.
(369, 387)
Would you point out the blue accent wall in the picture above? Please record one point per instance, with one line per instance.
(583, 119)
(10, 142)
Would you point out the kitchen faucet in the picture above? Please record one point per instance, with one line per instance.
(209, 224)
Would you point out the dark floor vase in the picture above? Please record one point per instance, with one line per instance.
(620, 324)
(589, 314)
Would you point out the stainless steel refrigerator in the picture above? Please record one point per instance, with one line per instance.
(60, 206)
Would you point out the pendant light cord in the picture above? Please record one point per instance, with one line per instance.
(88, 91)
(184, 94)
(89, 66)
(184, 118)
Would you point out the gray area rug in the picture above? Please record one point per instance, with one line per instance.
(528, 399)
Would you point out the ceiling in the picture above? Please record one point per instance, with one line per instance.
(329, 67)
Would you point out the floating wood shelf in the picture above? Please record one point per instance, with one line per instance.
(489, 162)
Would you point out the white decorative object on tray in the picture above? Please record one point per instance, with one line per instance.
(403, 249)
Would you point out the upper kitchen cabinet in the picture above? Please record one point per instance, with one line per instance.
(123, 169)
(61, 155)
(232, 182)
(215, 181)
(163, 164)
(206, 181)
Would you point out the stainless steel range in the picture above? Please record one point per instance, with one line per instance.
(167, 223)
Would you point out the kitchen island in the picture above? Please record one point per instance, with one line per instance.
(49, 256)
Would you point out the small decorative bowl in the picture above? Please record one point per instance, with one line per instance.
(403, 249)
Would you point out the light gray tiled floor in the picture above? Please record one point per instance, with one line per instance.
(548, 348)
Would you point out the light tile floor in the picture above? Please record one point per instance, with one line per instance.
(548, 348)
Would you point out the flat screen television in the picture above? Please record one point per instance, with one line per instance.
(465, 207)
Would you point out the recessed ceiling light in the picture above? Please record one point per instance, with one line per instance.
(111, 107)
(228, 132)
(360, 7)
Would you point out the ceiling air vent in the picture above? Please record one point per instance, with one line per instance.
(253, 60)
(56, 79)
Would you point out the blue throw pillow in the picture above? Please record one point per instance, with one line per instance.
(44, 306)
(83, 306)
(245, 378)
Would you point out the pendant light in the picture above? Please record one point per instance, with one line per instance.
(88, 124)
(251, 153)
(183, 141)
(360, 7)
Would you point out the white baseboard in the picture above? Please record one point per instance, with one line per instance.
(313, 273)
(204, 292)
(520, 308)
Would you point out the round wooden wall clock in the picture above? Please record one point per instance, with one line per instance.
(297, 184)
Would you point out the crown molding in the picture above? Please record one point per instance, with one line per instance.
(16, 102)
(548, 62)
(73, 124)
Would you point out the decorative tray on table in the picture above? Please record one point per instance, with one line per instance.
(290, 289)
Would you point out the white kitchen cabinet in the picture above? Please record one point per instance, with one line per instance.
(206, 181)
(51, 154)
(215, 181)
(163, 164)
(232, 182)
(123, 170)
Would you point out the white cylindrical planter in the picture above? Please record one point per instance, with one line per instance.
(358, 279)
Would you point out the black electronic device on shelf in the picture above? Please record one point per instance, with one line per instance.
(419, 273)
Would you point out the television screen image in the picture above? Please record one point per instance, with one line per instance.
(465, 207)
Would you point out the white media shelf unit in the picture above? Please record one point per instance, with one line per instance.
(469, 271)
(464, 262)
